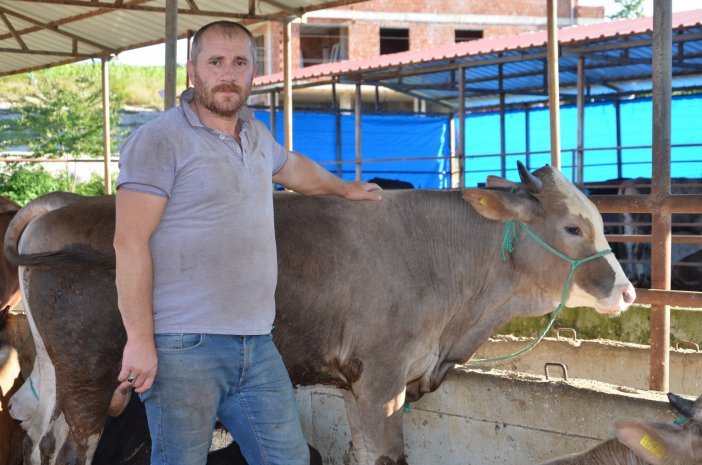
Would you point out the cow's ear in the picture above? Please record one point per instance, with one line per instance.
(658, 444)
(496, 181)
(501, 206)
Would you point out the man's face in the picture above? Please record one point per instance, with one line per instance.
(223, 71)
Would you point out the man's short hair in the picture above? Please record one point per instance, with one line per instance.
(228, 29)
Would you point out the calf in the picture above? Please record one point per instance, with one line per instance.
(641, 443)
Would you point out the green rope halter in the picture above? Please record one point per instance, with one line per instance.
(510, 238)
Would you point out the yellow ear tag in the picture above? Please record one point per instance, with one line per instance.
(483, 201)
(653, 446)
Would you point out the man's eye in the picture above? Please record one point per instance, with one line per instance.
(573, 230)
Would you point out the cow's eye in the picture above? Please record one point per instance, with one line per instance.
(573, 230)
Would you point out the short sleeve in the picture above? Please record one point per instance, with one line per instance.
(148, 159)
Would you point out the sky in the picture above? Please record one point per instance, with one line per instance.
(154, 55)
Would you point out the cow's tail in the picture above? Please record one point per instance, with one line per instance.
(30, 212)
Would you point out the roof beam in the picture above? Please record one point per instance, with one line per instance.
(101, 5)
(47, 52)
(626, 44)
(53, 28)
(12, 30)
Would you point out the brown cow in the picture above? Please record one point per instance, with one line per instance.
(380, 299)
(9, 281)
(10, 377)
(641, 443)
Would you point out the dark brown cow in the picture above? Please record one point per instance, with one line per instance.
(641, 443)
(378, 298)
(9, 281)
(10, 377)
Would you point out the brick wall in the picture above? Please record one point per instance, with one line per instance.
(425, 30)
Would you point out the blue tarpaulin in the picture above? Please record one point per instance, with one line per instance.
(421, 143)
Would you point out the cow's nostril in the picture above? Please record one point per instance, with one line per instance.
(629, 296)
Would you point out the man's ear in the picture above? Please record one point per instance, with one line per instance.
(501, 206)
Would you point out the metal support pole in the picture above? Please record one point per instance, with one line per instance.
(357, 112)
(553, 84)
(527, 137)
(169, 89)
(187, 54)
(272, 113)
(461, 130)
(287, 85)
(581, 122)
(337, 121)
(618, 123)
(660, 188)
(106, 149)
(503, 137)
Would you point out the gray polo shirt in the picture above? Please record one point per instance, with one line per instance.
(214, 255)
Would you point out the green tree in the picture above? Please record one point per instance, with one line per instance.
(95, 185)
(629, 9)
(24, 183)
(63, 117)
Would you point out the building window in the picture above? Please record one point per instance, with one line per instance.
(260, 55)
(393, 40)
(464, 35)
(320, 43)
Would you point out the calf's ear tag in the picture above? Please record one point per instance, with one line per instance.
(653, 446)
(483, 201)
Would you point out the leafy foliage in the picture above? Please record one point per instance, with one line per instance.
(24, 183)
(629, 9)
(64, 116)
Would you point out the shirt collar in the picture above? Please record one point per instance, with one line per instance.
(245, 114)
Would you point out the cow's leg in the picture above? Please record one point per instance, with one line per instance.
(9, 383)
(35, 402)
(376, 423)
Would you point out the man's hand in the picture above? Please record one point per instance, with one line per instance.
(139, 365)
(359, 190)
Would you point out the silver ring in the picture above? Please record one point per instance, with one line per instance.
(130, 379)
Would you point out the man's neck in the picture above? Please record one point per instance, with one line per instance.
(227, 125)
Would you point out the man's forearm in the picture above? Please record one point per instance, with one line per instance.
(134, 280)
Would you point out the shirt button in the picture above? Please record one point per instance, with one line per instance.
(238, 150)
(222, 136)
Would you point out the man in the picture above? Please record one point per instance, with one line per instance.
(196, 263)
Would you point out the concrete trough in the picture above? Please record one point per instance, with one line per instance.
(490, 417)
(512, 413)
(505, 414)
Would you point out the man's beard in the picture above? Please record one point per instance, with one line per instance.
(225, 109)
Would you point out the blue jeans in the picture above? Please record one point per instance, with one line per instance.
(239, 379)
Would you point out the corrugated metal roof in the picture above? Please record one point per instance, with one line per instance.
(617, 60)
(35, 34)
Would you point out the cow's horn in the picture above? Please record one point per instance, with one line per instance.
(532, 183)
(684, 406)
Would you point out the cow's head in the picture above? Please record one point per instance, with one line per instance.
(660, 443)
(565, 219)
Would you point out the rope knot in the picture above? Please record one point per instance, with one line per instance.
(510, 238)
